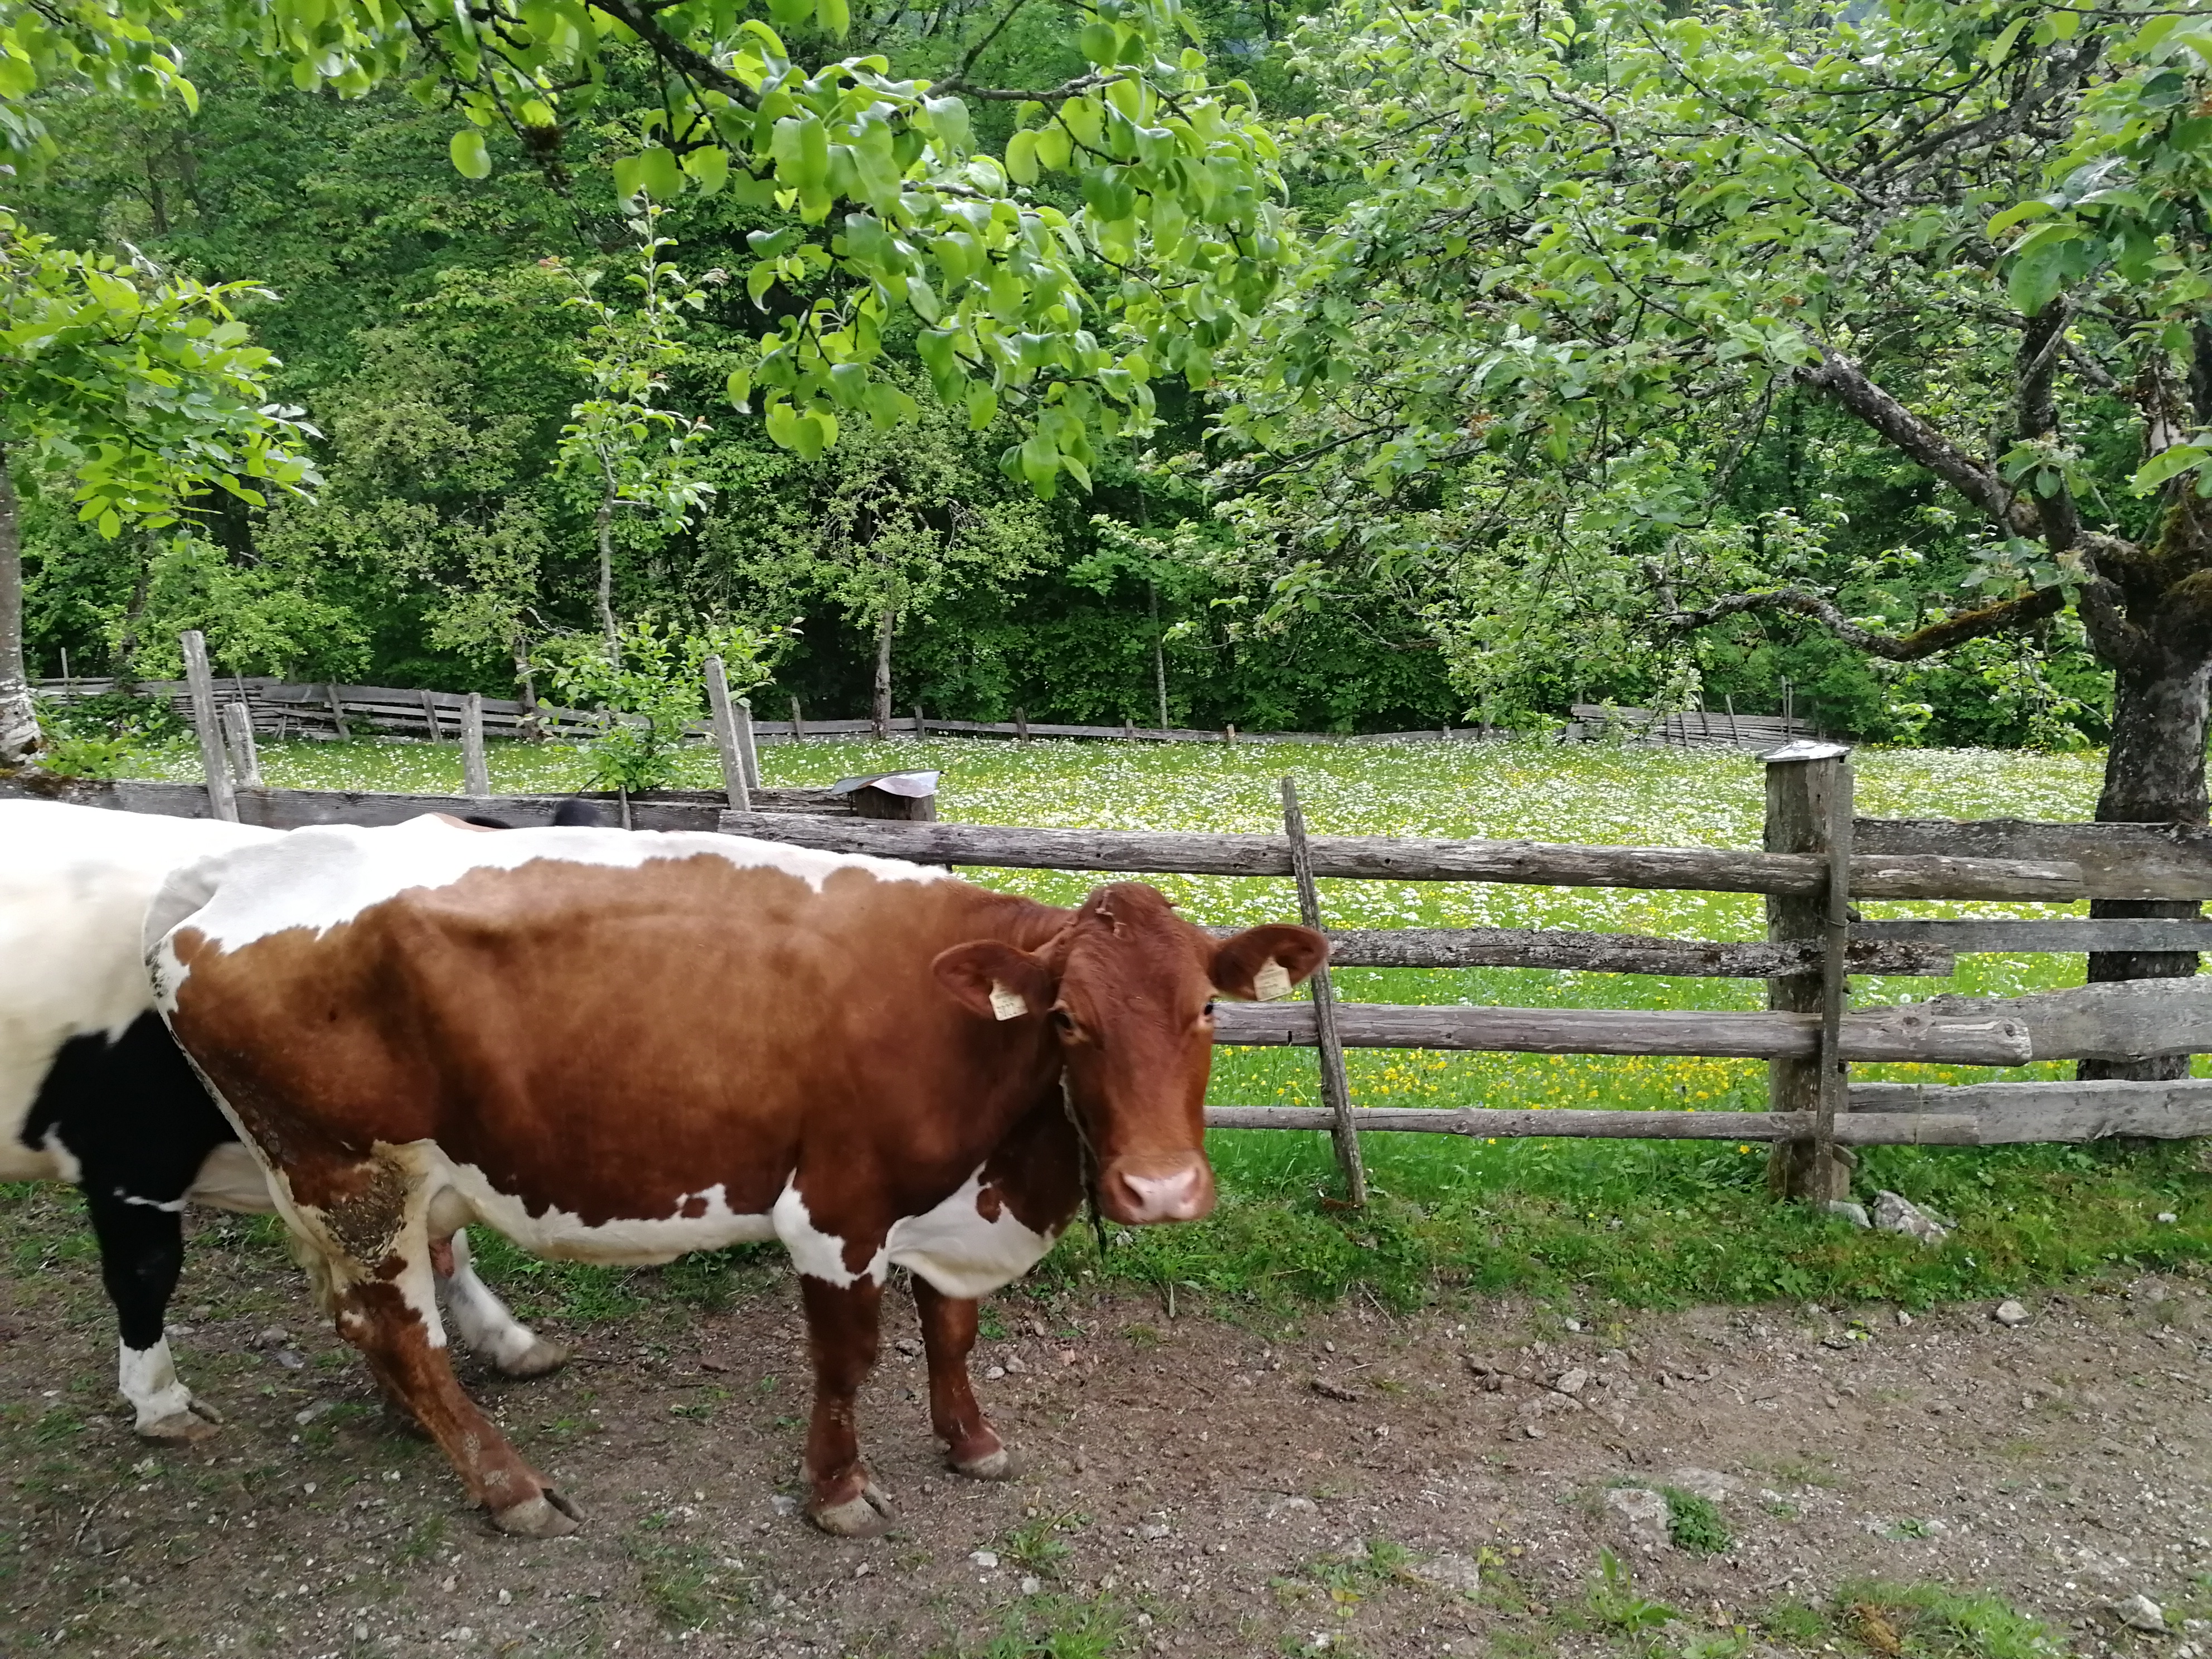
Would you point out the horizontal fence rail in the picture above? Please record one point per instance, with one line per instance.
(2131, 1019)
(1378, 858)
(2117, 860)
(1870, 1129)
(1610, 953)
(1693, 728)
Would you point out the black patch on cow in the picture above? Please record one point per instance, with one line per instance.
(135, 1117)
(574, 814)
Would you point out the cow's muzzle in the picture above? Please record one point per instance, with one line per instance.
(1136, 1191)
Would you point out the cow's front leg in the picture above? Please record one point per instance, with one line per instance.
(142, 1250)
(840, 1330)
(972, 1446)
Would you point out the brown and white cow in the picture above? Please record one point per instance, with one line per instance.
(623, 1046)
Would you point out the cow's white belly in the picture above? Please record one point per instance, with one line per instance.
(628, 1242)
(965, 1246)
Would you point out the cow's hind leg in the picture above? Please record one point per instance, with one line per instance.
(972, 1446)
(141, 1251)
(385, 1318)
(840, 1330)
(484, 1321)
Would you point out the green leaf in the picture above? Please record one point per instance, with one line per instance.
(1040, 464)
(661, 174)
(1022, 157)
(834, 16)
(2017, 215)
(2169, 463)
(629, 176)
(709, 168)
(783, 425)
(982, 407)
(811, 435)
(471, 159)
(1101, 42)
(923, 299)
(848, 383)
(740, 387)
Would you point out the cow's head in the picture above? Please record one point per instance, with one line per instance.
(1127, 990)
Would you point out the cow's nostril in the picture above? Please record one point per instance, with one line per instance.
(1163, 1197)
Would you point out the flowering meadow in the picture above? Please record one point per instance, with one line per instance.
(1586, 1192)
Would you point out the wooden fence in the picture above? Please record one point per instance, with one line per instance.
(285, 708)
(1688, 728)
(1818, 860)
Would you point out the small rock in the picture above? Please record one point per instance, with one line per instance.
(2009, 1314)
(985, 1558)
(1291, 1505)
(1894, 1214)
(507, 1598)
(1640, 1515)
(1533, 1430)
(2168, 1217)
(908, 1346)
(275, 1336)
(320, 1408)
(1015, 1365)
(714, 1365)
(1451, 1572)
(291, 1359)
(464, 1634)
(1903, 1317)
(186, 1330)
(1031, 1586)
(995, 1373)
(784, 1504)
(1152, 1530)
(1069, 1356)
(2140, 1612)
(1330, 1390)
(1854, 1213)
(361, 1632)
(1708, 1484)
(449, 1585)
(1571, 1382)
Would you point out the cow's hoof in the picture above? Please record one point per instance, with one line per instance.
(541, 1358)
(196, 1422)
(867, 1516)
(549, 1515)
(1003, 1464)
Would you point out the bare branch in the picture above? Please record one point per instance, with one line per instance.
(1847, 383)
(2037, 367)
(1910, 647)
(696, 66)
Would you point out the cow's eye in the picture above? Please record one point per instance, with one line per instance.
(1209, 1010)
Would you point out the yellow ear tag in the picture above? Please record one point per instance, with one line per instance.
(1007, 1005)
(1272, 983)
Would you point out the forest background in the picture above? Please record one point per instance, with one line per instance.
(440, 333)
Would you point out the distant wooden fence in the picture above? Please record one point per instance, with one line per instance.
(1686, 728)
(286, 708)
(1818, 859)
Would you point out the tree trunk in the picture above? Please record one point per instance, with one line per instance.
(603, 525)
(880, 709)
(19, 723)
(531, 729)
(127, 644)
(1159, 655)
(2154, 774)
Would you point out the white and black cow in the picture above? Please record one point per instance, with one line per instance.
(92, 1091)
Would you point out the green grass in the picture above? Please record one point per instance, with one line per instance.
(1931, 1621)
(1055, 1627)
(1586, 1223)
(1694, 1524)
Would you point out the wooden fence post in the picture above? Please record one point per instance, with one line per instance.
(1021, 726)
(748, 749)
(1336, 1091)
(431, 717)
(222, 803)
(726, 736)
(238, 734)
(475, 771)
(1802, 781)
(337, 715)
(1835, 987)
(797, 725)
(920, 729)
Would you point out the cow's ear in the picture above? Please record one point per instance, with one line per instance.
(1262, 963)
(994, 980)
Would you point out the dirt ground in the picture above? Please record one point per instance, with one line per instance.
(1214, 1484)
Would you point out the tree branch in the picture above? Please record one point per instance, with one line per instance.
(2040, 344)
(1847, 383)
(1910, 648)
(639, 21)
